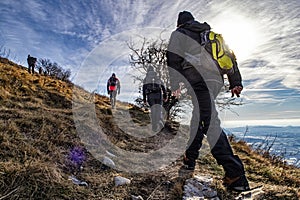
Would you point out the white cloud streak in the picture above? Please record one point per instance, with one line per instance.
(68, 31)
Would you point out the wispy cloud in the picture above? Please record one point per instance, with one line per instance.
(68, 31)
(277, 34)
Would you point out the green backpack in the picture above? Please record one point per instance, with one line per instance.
(221, 53)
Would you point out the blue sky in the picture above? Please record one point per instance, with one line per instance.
(72, 32)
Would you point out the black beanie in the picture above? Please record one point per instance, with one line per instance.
(184, 17)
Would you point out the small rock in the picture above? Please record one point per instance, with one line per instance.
(119, 180)
(108, 162)
(77, 181)
(110, 154)
(208, 192)
(133, 197)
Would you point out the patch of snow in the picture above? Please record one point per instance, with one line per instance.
(198, 188)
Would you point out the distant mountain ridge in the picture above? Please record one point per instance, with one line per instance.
(282, 140)
(266, 126)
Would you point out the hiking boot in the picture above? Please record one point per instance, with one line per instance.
(238, 184)
(188, 163)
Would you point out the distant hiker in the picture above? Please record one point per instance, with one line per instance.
(154, 93)
(31, 63)
(186, 57)
(113, 88)
(40, 70)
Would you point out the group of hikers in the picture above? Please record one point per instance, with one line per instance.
(192, 65)
(32, 61)
(203, 81)
(154, 94)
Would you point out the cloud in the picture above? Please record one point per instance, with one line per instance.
(277, 28)
(68, 32)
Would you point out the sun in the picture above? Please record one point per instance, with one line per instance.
(239, 33)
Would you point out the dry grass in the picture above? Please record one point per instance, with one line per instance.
(37, 133)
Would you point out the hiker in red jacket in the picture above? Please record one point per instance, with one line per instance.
(113, 88)
(204, 82)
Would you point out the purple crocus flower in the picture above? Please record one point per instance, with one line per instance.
(77, 156)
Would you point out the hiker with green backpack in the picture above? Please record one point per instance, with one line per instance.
(201, 58)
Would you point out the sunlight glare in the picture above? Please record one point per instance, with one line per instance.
(239, 34)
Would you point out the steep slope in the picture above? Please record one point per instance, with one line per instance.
(38, 136)
(38, 141)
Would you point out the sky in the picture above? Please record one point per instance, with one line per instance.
(79, 35)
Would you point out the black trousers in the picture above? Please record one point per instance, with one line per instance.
(205, 121)
(155, 102)
(31, 68)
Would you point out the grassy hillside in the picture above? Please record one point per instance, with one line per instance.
(38, 136)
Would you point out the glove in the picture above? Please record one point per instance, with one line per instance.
(236, 91)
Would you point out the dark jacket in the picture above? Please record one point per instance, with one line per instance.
(191, 29)
(31, 60)
(113, 83)
(153, 86)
